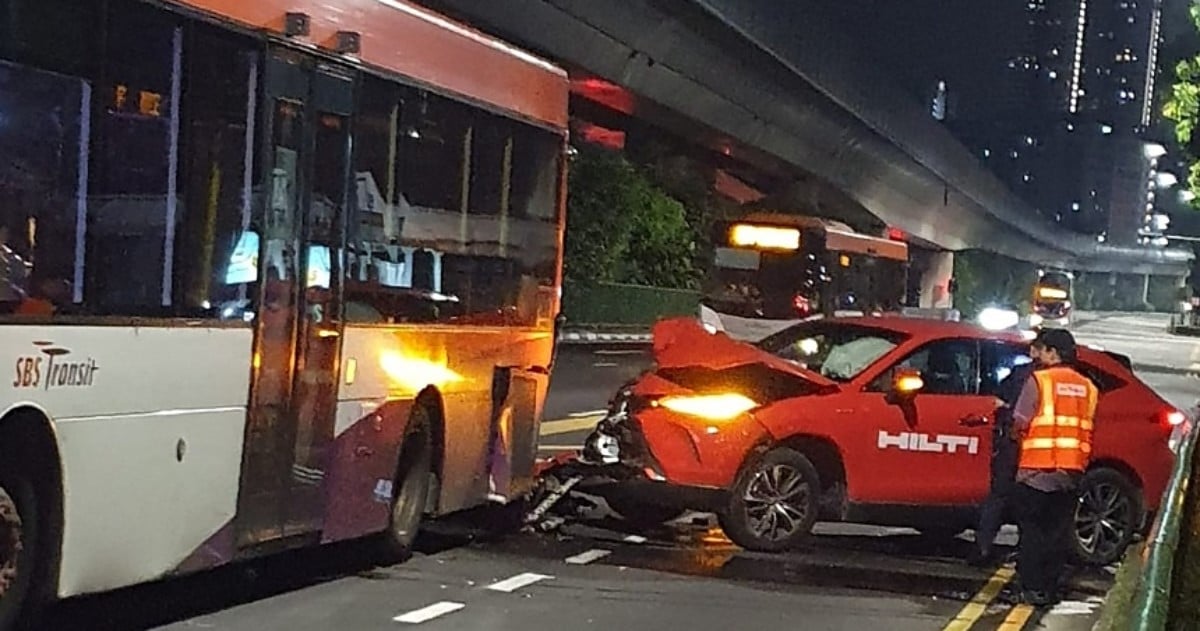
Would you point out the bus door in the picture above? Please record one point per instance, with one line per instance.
(307, 113)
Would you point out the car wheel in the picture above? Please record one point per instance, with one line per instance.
(639, 513)
(774, 502)
(19, 542)
(1107, 516)
(411, 486)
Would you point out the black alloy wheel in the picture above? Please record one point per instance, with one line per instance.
(1107, 517)
(773, 505)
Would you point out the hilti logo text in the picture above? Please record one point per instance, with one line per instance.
(912, 441)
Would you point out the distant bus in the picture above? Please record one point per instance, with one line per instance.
(271, 275)
(775, 268)
(1053, 295)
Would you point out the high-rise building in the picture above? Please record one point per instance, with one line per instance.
(1055, 96)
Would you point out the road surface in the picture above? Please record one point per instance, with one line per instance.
(602, 576)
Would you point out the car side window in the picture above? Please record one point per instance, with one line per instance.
(948, 367)
(1000, 360)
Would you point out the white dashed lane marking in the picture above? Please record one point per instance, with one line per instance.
(426, 614)
(510, 585)
(588, 557)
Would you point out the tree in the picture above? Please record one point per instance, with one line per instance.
(622, 228)
(1183, 108)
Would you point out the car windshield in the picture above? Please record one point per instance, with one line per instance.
(837, 351)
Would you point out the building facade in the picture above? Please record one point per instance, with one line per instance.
(1055, 96)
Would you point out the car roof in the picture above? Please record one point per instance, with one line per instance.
(928, 327)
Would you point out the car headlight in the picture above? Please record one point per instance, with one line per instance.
(715, 407)
(995, 319)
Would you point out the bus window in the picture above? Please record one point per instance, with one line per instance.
(480, 254)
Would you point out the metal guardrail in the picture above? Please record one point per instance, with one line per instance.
(1152, 603)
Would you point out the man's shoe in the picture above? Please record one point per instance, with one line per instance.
(1036, 598)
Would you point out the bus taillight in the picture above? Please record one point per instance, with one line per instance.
(802, 305)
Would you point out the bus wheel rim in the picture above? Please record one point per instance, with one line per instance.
(11, 542)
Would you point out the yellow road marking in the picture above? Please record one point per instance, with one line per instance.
(569, 425)
(975, 609)
(1016, 618)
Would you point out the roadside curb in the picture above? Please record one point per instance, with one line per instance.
(596, 337)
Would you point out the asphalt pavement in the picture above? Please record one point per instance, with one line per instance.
(601, 574)
(1143, 337)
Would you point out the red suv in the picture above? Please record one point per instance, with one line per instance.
(873, 420)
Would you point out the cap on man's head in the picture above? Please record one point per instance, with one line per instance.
(1060, 340)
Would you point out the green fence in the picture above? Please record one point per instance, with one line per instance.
(1157, 568)
(612, 304)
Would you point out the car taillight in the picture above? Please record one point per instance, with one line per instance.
(1173, 418)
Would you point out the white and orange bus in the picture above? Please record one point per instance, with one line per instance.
(272, 274)
(771, 270)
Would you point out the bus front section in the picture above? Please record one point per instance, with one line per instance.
(1052, 304)
(769, 273)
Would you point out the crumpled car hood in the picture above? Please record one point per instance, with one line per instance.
(684, 342)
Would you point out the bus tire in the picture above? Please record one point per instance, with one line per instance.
(412, 484)
(20, 543)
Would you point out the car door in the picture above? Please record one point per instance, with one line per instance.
(935, 447)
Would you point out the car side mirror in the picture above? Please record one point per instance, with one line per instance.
(907, 383)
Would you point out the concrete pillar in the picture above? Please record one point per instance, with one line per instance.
(935, 282)
(437, 270)
(407, 274)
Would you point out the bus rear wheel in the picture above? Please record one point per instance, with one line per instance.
(19, 539)
(411, 486)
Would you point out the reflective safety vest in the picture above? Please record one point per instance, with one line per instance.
(1060, 435)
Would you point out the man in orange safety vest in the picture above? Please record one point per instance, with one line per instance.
(1053, 418)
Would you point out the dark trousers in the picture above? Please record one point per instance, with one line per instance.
(1004, 478)
(1045, 523)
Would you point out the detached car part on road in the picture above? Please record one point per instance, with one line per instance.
(884, 421)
